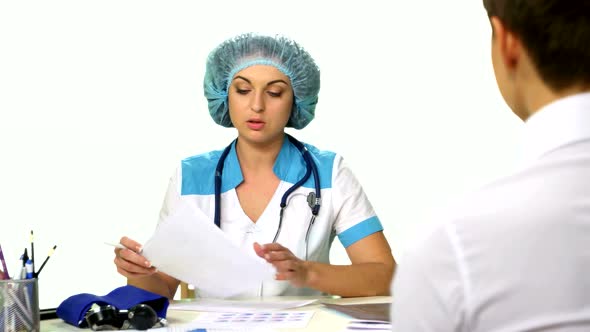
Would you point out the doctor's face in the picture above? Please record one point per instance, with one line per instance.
(260, 100)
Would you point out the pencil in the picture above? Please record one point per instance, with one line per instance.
(32, 252)
(45, 261)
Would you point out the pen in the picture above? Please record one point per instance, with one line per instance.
(23, 273)
(25, 257)
(116, 245)
(23, 270)
(32, 252)
(29, 269)
(45, 261)
(5, 274)
(120, 246)
(16, 275)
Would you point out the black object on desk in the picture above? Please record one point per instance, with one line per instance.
(367, 311)
(48, 313)
(74, 309)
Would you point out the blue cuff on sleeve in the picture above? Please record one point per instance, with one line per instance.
(360, 231)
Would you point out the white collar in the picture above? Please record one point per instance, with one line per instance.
(561, 122)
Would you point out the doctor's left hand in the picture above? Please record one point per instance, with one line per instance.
(288, 266)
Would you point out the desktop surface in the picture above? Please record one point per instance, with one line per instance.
(324, 319)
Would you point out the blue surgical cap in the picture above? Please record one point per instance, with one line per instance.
(247, 50)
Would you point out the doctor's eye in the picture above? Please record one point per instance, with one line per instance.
(242, 91)
(274, 94)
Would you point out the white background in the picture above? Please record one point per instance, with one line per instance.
(100, 100)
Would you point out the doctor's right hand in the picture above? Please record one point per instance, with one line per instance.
(130, 262)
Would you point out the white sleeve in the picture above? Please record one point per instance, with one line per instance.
(355, 217)
(427, 288)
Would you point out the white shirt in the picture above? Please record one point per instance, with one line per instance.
(515, 255)
(345, 211)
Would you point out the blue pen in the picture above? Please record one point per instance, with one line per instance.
(23, 269)
(29, 268)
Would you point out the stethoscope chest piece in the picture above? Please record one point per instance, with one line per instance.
(311, 199)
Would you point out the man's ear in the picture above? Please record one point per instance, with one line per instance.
(509, 45)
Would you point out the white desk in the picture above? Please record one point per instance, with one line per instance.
(323, 320)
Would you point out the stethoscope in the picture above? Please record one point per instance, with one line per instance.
(314, 199)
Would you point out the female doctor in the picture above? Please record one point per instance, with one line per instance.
(273, 195)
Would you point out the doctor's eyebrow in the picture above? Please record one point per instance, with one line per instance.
(267, 84)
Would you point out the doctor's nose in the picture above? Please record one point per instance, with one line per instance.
(257, 102)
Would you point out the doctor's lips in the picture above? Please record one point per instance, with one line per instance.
(255, 124)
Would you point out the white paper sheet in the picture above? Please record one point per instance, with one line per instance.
(269, 319)
(188, 328)
(189, 247)
(237, 306)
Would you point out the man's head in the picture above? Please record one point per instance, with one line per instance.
(540, 50)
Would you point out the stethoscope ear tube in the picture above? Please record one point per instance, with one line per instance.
(218, 173)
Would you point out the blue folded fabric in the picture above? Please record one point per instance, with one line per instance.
(73, 309)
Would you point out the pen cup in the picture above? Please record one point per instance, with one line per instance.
(19, 305)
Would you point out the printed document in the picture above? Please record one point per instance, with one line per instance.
(188, 246)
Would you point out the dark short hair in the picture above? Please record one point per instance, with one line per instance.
(556, 34)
